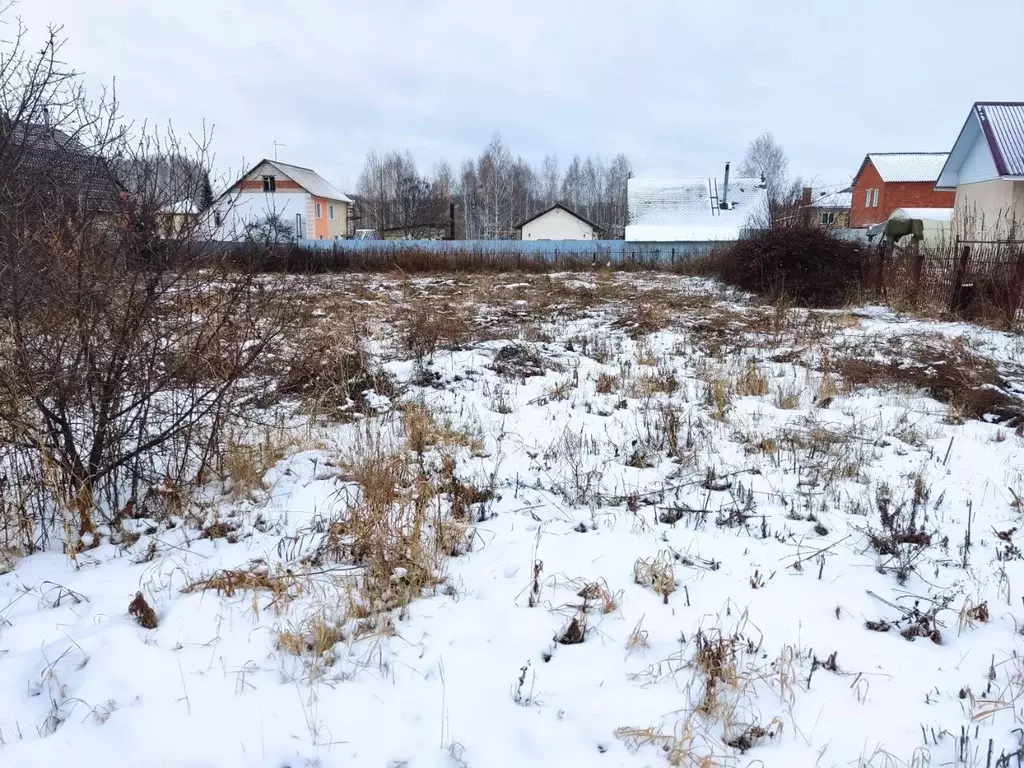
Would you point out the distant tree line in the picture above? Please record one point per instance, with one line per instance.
(491, 193)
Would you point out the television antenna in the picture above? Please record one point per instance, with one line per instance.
(276, 145)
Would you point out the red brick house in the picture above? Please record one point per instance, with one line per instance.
(887, 181)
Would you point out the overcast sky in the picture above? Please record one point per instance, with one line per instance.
(680, 86)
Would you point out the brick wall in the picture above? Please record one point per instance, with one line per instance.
(892, 196)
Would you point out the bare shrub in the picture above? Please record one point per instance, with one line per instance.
(124, 353)
(808, 265)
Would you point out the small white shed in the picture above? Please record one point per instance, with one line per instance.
(559, 222)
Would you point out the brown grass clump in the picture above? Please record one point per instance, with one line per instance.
(638, 638)
(716, 657)
(607, 383)
(644, 319)
(946, 370)
(718, 397)
(314, 636)
(751, 382)
(284, 585)
(142, 612)
(330, 371)
(657, 573)
(680, 749)
(597, 592)
(663, 381)
(972, 614)
(787, 396)
(425, 429)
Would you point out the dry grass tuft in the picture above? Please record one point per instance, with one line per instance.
(284, 586)
(752, 382)
(598, 592)
(657, 573)
(313, 637)
(718, 397)
(638, 639)
(787, 396)
(607, 383)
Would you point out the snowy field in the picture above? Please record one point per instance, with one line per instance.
(580, 520)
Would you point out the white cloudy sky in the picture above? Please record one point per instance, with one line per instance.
(680, 86)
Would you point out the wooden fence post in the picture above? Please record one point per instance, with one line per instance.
(883, 250)
(918, 257)
(1016, 289)
(958, 278)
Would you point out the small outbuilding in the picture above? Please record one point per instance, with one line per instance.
(559, 222)
(935, 223)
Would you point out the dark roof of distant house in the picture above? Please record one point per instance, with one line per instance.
(54, 157)
(563, 207)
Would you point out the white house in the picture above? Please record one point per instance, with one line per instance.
(298, 198)
(693, 210)
(559, 222)
(986, 168)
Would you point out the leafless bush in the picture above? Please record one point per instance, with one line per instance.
(123, 352)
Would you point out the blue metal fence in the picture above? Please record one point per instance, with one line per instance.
(599, 251)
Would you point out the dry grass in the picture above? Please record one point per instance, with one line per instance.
(787, 395)
(314, 638)
(718, 396)
(426, 429)
(657, 573)
(283, 585)
(245, 461)
(638, 639)
(607, 383)
(752, 382)
(945, 369)
(662, 381)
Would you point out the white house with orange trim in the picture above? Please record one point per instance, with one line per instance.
(303, 200)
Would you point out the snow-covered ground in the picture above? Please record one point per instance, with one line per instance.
(767, 564)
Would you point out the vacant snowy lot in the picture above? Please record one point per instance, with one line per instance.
(569, 520)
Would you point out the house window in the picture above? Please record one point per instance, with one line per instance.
(875, 204)
(867, 199)
(269, 184)
(827, 218)
(330, 212)
(319, 211)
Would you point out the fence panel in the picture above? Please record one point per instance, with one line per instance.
(970, 278)
(598, 251)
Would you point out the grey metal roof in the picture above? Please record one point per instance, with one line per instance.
(1003, 126)
(311, 181)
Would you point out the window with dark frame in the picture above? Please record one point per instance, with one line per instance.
(269, 184)
(828, 217)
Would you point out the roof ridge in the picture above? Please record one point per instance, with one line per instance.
(909, 153)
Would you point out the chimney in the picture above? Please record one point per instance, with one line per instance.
(725, 190)
(805, 198)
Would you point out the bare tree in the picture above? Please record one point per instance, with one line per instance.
(549, 180)
(122, 353)
(766, 159)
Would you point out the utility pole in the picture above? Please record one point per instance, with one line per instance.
(276, 145)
